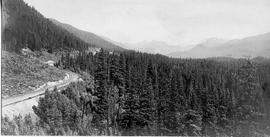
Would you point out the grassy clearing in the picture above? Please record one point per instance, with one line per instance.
(23, 73)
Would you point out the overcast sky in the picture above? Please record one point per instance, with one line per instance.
(180, 22)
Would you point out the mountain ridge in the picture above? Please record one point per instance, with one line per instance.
(25, 27)
(252, 46)
(153, 47)
(88, 37)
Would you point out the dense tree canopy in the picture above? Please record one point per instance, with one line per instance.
(133, 93)
(27, 28)
(164, 96)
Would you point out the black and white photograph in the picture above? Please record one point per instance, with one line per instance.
(135, 68)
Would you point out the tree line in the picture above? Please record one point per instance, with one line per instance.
(133, 93)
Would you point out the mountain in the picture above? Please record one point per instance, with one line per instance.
(153, 47)
(89, 37)
(247, 47)
(213, 42)
(25, 27)
(115, 42)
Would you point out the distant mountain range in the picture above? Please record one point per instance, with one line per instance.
(89, 37)
(247, 47)
(24, 26)
(213, 42)
(153, 47)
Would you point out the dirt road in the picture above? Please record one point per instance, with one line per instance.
(23, 104)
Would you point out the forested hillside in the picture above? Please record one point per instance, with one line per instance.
(26, 27)
(89, 37)
(157, 95)
(132, 93)
(143, 94)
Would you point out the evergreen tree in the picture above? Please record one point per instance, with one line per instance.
(248, 109)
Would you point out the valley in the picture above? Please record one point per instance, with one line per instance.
(59, 80)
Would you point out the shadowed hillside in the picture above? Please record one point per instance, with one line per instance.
(26, 27)
(89, 37)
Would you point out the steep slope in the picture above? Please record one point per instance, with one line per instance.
(89, 37)
(23, 73)
(247, 47)
(27, 37)
(26, 27)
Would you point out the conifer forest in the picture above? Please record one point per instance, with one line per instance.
(131, 93)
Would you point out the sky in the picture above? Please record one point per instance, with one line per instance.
(176, 22)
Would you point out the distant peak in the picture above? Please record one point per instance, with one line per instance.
(213, 42)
